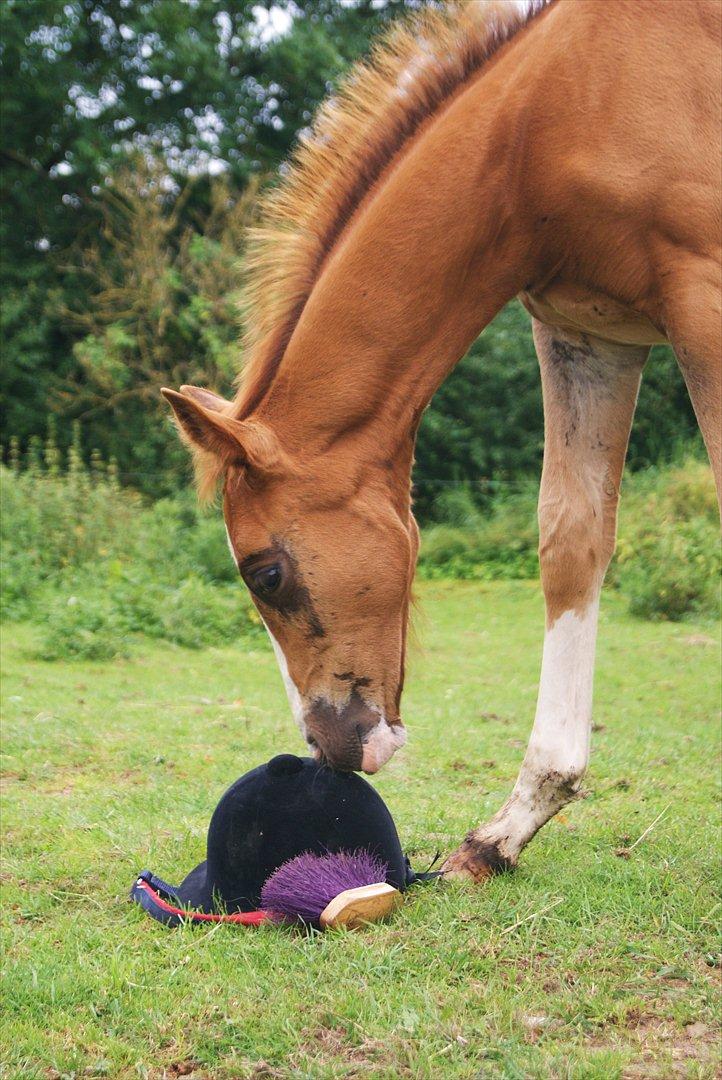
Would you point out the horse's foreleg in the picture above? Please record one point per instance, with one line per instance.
(590, 391)
(693, 320)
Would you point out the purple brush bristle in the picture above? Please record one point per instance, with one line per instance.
(302, 887)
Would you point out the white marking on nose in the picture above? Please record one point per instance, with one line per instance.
(230, 548)
(294, 697)
(380, 744)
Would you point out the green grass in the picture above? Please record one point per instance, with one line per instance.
(580, 964)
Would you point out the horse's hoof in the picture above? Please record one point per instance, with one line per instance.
(475, 860)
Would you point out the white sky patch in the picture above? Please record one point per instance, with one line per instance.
(92, 106)
(271, 24)
(147, 82)
(225, 26)
(63, 168)
(209, 125)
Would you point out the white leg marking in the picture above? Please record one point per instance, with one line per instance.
(558, 750)
(380, 744)
(560, 737)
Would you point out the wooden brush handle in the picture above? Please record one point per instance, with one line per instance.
(354, 907)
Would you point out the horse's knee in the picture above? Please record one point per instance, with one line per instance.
(576, 542)
(554, 773)
(567, 778)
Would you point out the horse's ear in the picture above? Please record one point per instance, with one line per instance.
(232, 442)
(207, 398)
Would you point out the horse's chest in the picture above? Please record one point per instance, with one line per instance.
(573, 307)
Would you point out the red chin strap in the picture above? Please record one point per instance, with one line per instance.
(151, 901)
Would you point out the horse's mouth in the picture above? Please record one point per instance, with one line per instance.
(366, 749)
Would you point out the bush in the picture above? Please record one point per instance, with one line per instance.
(668, 555)
(199, 614)
(668, 558)
(677, 576)
(56, 521)
(455, 506)
(499, 544)
(81, 628)
(188, 540)
(95, 565)
(19, 585)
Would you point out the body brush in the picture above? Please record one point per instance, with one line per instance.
(346, 888)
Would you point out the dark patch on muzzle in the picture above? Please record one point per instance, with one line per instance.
(339, 734)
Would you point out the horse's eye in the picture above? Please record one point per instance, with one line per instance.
(265, 582)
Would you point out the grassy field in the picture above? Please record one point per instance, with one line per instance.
(581, 964)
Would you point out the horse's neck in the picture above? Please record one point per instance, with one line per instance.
(432, 254)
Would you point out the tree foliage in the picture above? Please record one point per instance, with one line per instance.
(133, 135)
(484, 430)
(88, 84)
(160, 307)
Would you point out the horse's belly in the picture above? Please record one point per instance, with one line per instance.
(574, 307)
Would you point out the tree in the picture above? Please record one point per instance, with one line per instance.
(88, 83)
(484, 429)
(160, 308)
(114, 281)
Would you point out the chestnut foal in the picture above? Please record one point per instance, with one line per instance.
(569, 155)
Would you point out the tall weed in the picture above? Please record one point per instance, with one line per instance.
(668, 559)
(95, 565)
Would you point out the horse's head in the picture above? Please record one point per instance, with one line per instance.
(327, 551)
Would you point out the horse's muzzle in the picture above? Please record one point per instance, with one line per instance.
(354, 736)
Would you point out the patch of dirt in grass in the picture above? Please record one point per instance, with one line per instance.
(654, 1038)
(332, 1042)
(194, 1070)
(698, 639)
(183, 1068)
(232, 1069)
(8, 778)
(261, 1070)
(493, 718)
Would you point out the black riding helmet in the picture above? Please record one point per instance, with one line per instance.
(279, 810)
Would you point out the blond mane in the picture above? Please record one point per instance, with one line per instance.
(414, 68)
